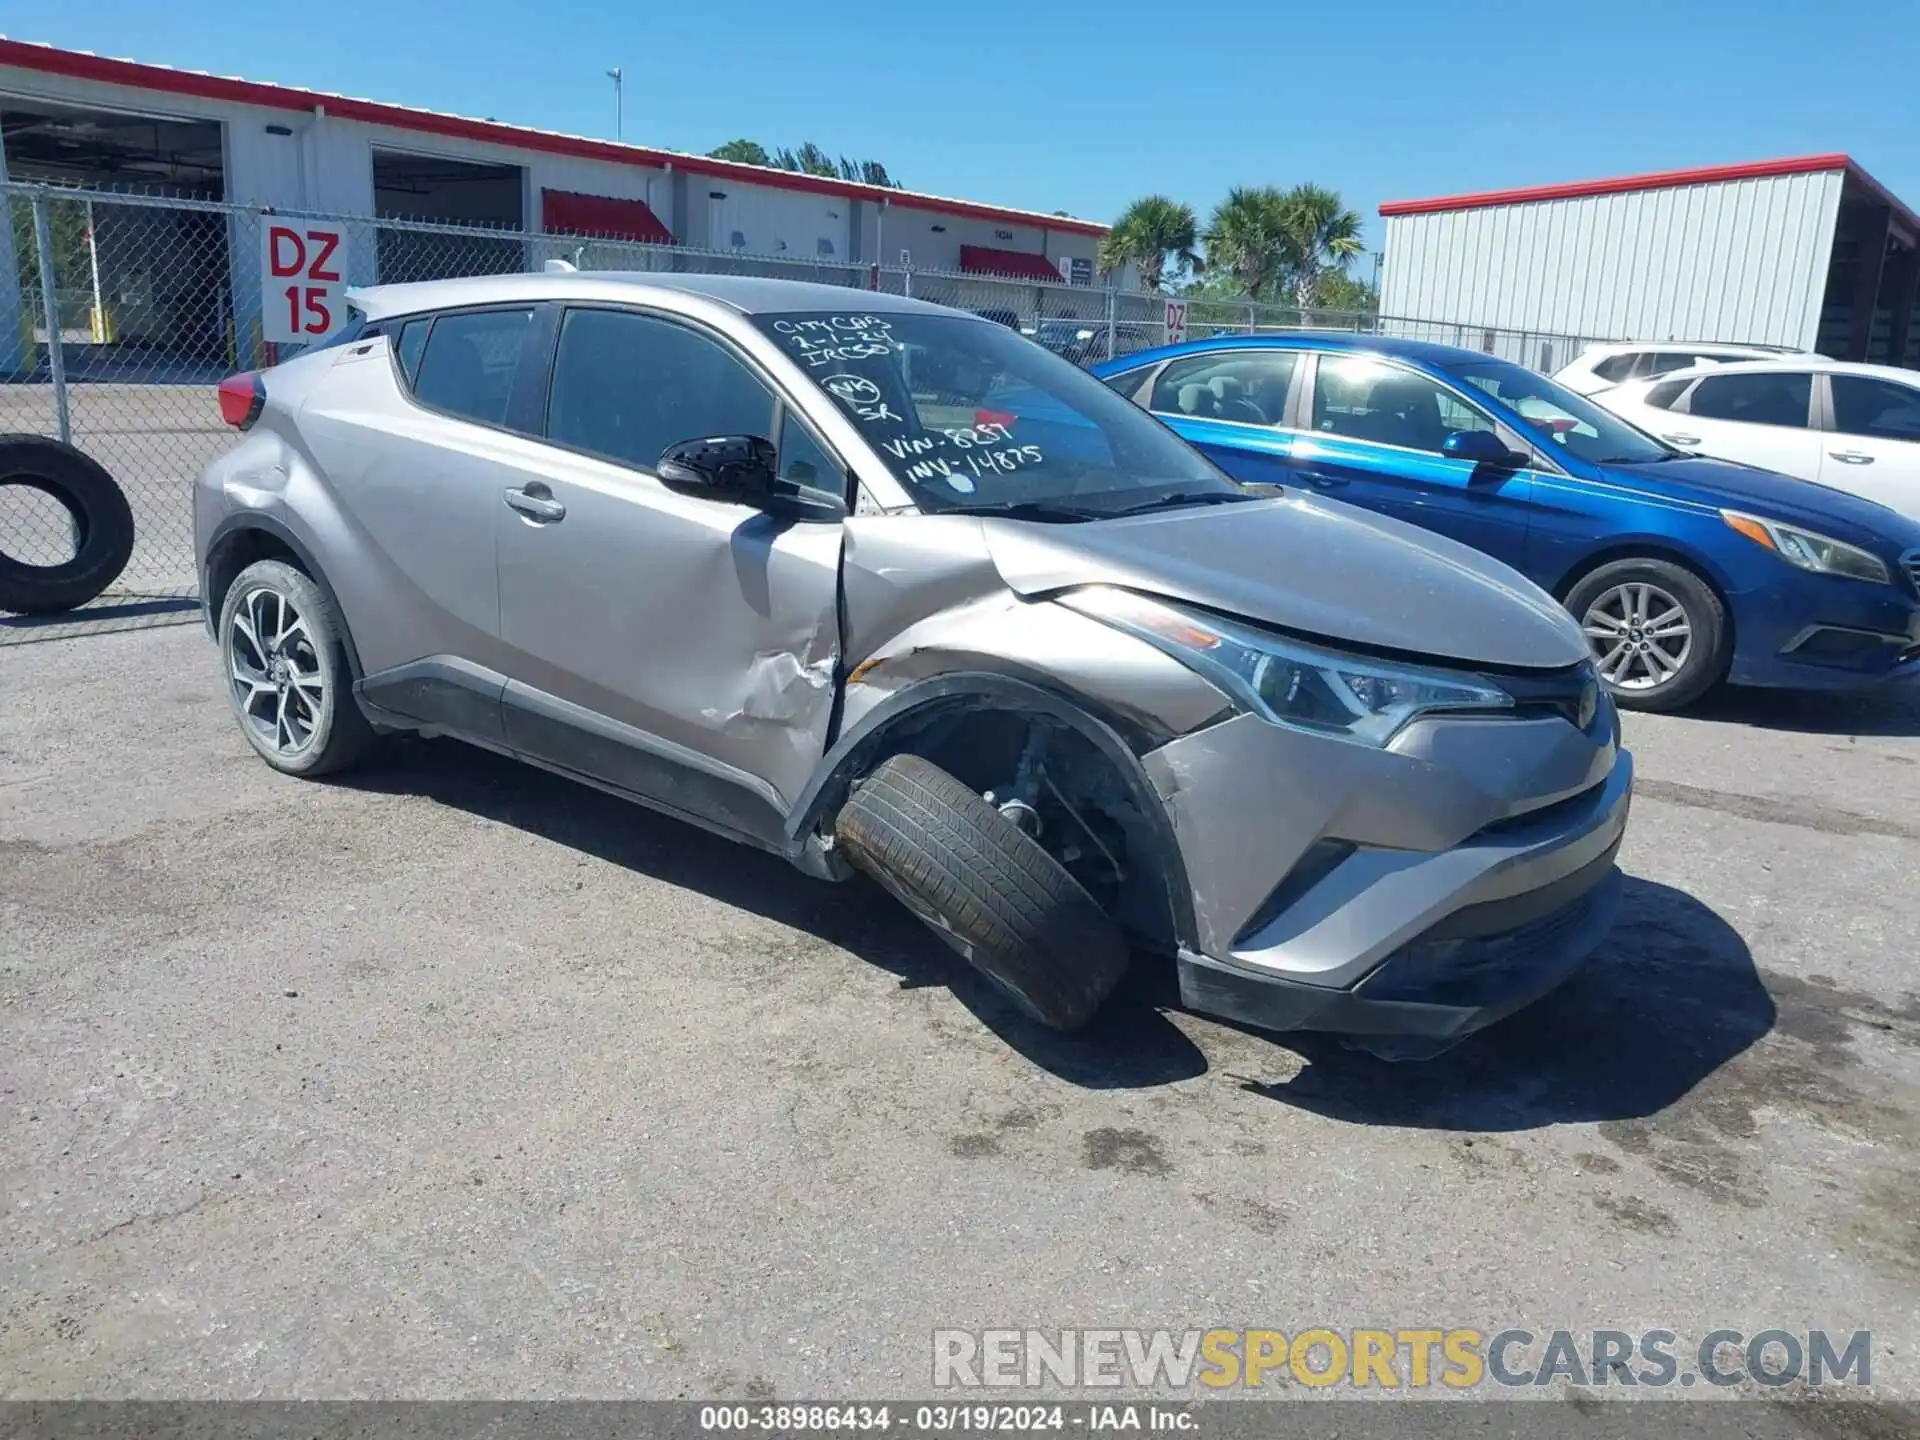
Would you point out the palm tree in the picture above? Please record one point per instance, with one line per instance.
(1322, 235)
(1148, 232)
(1250, 237)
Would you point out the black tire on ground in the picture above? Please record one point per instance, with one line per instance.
(326, 731)
(1707, 658)
(985, 887)
(102, 522)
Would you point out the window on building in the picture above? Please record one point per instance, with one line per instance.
(626, 387)
(1249, 386)
(1754, 399)
(1865, 406)
(468, 364)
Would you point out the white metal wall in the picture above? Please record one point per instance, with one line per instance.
(1741, 260)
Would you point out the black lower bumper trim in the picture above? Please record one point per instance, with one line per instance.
(1439, 989)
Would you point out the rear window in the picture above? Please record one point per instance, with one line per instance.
(412, 340)
(1662, 396)
(468, 365)
(1616, 367)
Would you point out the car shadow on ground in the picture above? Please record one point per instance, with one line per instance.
(1892, 711)
(1131, 1044)
(1669, 998)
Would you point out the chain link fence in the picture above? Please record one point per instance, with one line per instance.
(119, 314)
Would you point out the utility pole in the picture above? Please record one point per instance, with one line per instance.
(616, 75)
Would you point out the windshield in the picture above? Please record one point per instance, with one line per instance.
(1571, 422)
(969, 415)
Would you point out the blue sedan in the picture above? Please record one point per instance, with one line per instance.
(1683, 571)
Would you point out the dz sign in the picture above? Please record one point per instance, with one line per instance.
(303, 268)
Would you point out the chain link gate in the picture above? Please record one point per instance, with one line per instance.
(120, 313)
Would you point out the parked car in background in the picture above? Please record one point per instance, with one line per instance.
(1682, 571)
(1600, 367)
(1086, 342)
(1002, 642)
(1852, 427)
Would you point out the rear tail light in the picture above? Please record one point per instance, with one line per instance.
(1003, 418)
(241, 399)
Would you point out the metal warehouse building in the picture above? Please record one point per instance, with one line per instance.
(1810, 252)
(73, 118)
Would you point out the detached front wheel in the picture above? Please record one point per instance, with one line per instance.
(986, 888)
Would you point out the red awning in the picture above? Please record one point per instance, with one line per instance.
(565, 212)
(1015, 264)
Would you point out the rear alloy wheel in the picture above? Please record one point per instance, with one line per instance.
(1658, 632)
(285, 662)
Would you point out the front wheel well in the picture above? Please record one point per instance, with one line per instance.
(1095, 809)
(1645, 550)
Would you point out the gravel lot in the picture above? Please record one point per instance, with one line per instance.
(455, 1079)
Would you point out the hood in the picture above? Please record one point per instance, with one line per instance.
(1726, 483)
(1315, 568)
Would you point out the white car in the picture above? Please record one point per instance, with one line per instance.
(1852, 427)
(1600, 367)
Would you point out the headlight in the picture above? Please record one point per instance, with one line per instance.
(1285, 681)
(1809, 550)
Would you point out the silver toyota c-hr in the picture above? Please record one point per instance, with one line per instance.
(881, 586)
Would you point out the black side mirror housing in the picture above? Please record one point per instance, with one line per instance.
(1482, 447)
(740, 468)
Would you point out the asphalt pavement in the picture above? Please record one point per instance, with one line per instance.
(454, 1079)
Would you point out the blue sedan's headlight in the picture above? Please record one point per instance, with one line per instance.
(1809, 549)
(1285, 681)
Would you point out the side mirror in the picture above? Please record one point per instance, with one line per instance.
(740, 468)
(1482, 447)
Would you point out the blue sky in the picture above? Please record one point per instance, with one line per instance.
(1085, 107)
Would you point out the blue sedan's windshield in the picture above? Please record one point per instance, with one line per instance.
(1571, 422)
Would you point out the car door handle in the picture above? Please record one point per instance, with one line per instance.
(1851, 457)
(1327, 482)
(536, 502)
(1682, 439)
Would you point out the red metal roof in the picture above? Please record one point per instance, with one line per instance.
(1017, 264)
(565, 212)
(83, 65)
(1659, 180)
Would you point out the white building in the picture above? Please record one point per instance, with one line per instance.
(1809, 252)
(82, 119)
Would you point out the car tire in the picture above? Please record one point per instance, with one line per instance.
(283, 656)
(102, 521)
(986, 888)
(1670, 660)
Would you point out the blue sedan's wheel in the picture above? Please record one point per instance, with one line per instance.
(1658, 632)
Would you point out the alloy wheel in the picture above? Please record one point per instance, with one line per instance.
(274, 665)
(1640, 634)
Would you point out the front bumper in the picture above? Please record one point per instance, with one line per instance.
(1821, 632)
(1423, 891)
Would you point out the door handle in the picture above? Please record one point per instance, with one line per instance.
(1851, 457)
(536, 502)
(1682, 439)
(1327, 482)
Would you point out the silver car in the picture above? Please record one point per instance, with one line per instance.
(884, 587)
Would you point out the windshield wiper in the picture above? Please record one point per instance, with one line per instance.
(1030, 510)
(1196, 497)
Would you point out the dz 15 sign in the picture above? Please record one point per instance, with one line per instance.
(303, 284)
